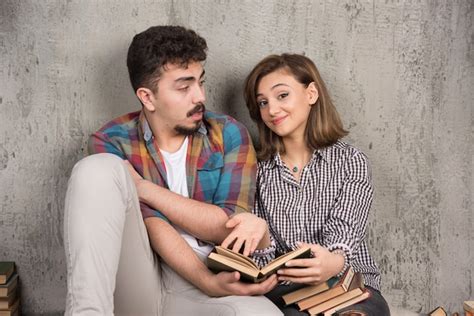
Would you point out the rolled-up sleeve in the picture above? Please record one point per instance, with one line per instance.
(236, 188)
(346, 226)
(100, 142)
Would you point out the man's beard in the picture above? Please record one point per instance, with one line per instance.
(184, 130)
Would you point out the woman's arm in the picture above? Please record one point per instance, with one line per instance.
(344, 229)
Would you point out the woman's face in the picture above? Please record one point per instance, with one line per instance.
(285, 103)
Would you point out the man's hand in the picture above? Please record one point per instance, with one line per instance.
(322, 267)
(249, 231)
(137, 178)
(135, 175)
(227, 283)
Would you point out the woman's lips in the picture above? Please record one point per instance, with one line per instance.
(278, 120)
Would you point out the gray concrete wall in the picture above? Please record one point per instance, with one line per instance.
(400, 72)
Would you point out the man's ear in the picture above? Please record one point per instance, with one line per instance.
(313, 94)
(147, 97)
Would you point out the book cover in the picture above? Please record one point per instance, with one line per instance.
(224, 259)
(6, 270)
(339, 288)
(468, 306)
(335, 301)
(7, 302)
(365, 295)
(12, 311)
(438, 311)
(6, 289)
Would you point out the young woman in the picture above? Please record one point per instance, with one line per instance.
(312, 188)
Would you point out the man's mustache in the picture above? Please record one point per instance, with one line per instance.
(198, 108)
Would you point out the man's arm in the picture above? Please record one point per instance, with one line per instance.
(202, 220)
(174, 250)
(235, 193)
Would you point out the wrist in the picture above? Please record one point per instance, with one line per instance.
(341, 262)
(205, 281)
(143, 189)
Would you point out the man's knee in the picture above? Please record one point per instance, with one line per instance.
(98, 168)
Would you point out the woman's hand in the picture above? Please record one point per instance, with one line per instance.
(248, 230)
(320, 268)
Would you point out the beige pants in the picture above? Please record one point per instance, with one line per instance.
(111, 268)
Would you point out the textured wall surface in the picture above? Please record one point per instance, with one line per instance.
(400, 72)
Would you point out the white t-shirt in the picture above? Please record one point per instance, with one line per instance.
(176, 175)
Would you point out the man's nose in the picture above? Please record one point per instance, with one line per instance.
(199, 95)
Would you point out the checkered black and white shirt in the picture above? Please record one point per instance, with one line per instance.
(329, 206)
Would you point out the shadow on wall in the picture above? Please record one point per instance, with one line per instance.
(233, 104)
(112, 93)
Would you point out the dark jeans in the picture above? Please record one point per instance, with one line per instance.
(375, 305)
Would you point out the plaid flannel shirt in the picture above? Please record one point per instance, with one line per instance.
(220, 161)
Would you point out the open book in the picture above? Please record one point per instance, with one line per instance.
(224, 259)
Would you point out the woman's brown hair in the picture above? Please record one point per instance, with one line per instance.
(324, 127)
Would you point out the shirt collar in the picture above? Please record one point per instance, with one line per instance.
(322, 153)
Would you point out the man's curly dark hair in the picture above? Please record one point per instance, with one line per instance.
(152, 49)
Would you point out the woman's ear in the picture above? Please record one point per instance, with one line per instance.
(313, 93)
(147, 97)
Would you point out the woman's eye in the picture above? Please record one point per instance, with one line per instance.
(283, 95)
(262, 103)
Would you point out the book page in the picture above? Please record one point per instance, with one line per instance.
(218, 262)
(237, 256)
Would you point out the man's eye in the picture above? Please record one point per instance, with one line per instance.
(185, 88)
(201, 83)
(262, 103)
(283, 95)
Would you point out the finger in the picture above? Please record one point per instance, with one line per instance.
(247, 247)
(299, 272)
(228, 240)
(236, 276)
(271, 285)
(238, 244)
(305, 263)
(272, 282)
(263, 287)
(315, 248)
(229, 277)
(253, 246)
(231, 223)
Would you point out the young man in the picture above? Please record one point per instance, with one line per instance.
(188, 170)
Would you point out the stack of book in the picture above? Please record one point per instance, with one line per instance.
(329, 297)
(468, 308)
(438, 311)
(9, 292)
